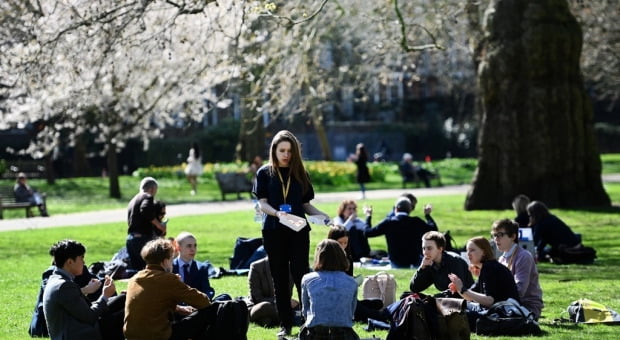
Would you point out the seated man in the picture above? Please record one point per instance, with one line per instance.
(403, 234)
(262, 294)
(436, 264)
(194, 274)
(155, 293)
(410, 171)
(68, 314)
(24, 193)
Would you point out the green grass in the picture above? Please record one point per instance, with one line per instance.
(25, 257)
(91, 193)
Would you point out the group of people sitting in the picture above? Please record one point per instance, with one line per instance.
(172, 283)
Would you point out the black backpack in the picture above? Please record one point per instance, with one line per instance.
(232, 321)
(409, 319)
(507, 318)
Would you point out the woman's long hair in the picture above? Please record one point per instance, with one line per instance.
(296, 165)
(482, 243)
(329, 256)
(537, 211)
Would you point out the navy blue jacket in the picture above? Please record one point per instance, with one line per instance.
(198, 276)
(403, 234)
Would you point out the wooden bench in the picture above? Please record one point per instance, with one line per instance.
(233, 182)
(7, 201)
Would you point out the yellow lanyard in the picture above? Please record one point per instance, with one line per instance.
(285, 187)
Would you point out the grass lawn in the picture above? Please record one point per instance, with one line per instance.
(25, 257)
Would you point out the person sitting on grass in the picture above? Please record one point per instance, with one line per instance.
(195, 274)
(521, 263)
(436, 264)
(495, 282)
(519, 204)
(155, 293)
(550, 233)
(69, 315)
(329, 295)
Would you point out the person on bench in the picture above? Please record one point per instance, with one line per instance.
(24, 193)
(410, 171)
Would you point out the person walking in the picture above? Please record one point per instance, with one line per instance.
(193, 169)
(283, 188)
(361, 162)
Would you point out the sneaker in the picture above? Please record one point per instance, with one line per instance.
(284, 331)
(193, 192)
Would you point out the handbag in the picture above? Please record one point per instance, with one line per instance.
(507, 318)
(380, 286)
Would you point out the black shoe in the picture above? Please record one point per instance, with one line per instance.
(284, 331)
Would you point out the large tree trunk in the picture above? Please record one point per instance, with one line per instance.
(319, 127)
(536, 135)
(112, 162)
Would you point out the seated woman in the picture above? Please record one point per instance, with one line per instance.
(329, 295)
(495, 282)
(549, 230)
(520, 262)
(347, 217)
(24, 193)
(365, 309)
(519, 204)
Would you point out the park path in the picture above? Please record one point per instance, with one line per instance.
(120, 215)
(186, 209)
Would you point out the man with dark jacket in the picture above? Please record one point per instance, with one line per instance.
(142, 221)
(437, 264)
(403, 234)
(68, 313)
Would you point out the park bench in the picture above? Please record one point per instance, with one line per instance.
(7, 201)
(233, 182)
(32, 169)
(412, 177)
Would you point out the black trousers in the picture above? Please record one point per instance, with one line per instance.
(288, 256)
(194, 326)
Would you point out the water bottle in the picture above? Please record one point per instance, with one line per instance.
(258, 214)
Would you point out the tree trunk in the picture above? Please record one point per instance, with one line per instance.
(536, 136)
(80, 163)
(112, 163)
(251, 141)
(319, 127)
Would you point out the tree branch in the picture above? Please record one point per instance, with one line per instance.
(404, 43)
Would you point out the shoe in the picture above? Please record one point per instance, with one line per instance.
(193, 192)
(284, 331)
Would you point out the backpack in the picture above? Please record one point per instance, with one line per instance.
(507, 318)
(588, 311)
(38, 327)
(232, 320)
(579, 255)
(243, 253)
(409, 319)
(380, 286)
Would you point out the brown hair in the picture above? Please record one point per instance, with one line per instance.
(537, 211)
(485, 246)
(511, 227)
(343, 205)
(329, 256)
(436, 236)
(156, 251)
(296, 165)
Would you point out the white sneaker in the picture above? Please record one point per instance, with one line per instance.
(193, 192)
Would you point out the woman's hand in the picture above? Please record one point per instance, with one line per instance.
(456, 285)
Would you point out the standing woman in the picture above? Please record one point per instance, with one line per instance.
(361, 160)
(283, 187)
(194, 167)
